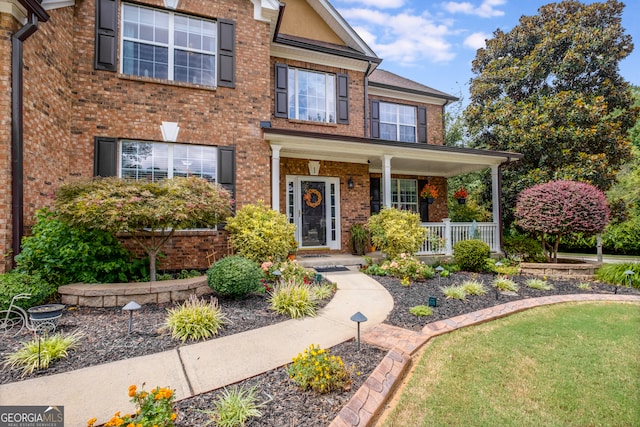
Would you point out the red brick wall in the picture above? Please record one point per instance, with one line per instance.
(8, 26)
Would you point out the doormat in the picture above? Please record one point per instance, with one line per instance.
(330, 269)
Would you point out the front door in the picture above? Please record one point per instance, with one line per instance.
(313, 206)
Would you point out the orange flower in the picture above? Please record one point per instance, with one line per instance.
(132, 390)
(174, 416)
(91, 422)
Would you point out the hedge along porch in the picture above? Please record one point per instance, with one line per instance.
(345, 171)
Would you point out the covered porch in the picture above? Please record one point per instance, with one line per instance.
(386, 160)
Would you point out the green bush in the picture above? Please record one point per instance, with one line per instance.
(454, 292)
(235, 406)
(473, 287)
(421, 310)
(539, 284)
(395, 232)
(195, 319)
(289, 271)
(508, 267)
(234, 276)
(471, 255)
(614, 274)
(259, 233)
(64, 254)
(523, 248)
(40, 352)
(318, 370)
(407, 267)
(293, 299)
(14, 283)
(505, 284)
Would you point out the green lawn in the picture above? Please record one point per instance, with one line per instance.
(561, 365)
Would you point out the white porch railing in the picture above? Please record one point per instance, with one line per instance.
(443, 235)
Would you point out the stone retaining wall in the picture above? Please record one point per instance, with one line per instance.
(580, 271)
(119, 294)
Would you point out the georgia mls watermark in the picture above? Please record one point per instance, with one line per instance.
(31, 416)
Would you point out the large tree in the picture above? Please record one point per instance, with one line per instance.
(149, 212)
(550, 89)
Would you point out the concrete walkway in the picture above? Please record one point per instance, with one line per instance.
(100, 391)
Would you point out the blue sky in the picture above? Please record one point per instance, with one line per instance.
(434, 41)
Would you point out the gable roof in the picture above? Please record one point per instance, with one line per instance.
(388, 80)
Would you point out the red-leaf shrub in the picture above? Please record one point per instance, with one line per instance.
(560, 208)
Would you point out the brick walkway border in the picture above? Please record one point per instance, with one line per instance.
(369, 400)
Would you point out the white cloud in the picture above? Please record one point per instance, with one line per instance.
(405, 38)
(379, 4)
(487, 8)
(476, 40)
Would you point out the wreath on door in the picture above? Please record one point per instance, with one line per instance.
(309, 198)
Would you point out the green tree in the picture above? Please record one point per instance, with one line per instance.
(149, 212)
(634, 132)
(550, 89)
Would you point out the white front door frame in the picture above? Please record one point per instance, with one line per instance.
(294, 200)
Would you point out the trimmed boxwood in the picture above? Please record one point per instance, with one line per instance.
(234, 276)
(471, 255)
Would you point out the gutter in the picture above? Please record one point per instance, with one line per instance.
(35, 12)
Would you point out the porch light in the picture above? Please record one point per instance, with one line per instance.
(131, 307)
(359, 318)
(439, 269)
(628, 274)
(350, 183)
(314, 167)
(171, 4)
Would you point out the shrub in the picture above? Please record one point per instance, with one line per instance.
(584, 286)
(293, 299)
(539, 284)
(42, 351)
(234, 276)
(65, 254)
(454, 292)
(377, 270)
(235, 406)
(523, 248)
(408, 266)
(421, 310)
(188, 274)
(504, 284)
(14, 283)
(260, 233)
(323, 291)
(195, 319)
(473, 287)
(614, 274)
(154, 408)
(289, 271)
(318, 370)
(395, 232)
(471, 255)
(359, 239)
(507, 267)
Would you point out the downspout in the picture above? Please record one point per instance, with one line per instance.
(17, 130)
(366, 100)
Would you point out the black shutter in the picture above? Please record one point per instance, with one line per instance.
(105, 156)
(226, 53)
(422, 124)
(343, 98)
(375, 119)
(106, 34)
(227, 169)
(281, 79)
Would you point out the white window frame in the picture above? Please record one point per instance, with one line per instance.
(170, 45)
(397, 123)
(330, 111)
(396, 186)
(170, 157)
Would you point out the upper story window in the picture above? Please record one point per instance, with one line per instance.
(154, 161)
(397, 122)
(312, 96)
(168, 45)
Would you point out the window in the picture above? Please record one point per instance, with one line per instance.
(155, 161)
(312, 96)
(404, 194)
(397, 122)
(168, 45)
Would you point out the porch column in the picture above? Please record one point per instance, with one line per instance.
(275, 177)
(495, 203)
(386, 180)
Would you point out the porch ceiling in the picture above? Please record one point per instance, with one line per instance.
(406, 158)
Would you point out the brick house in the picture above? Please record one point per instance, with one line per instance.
(281, 102)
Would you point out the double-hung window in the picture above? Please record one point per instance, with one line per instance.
(312, 96)
(404, 194)
(168, 45)
(397, 122)
(154, 161)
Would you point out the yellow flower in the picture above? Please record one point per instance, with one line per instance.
(91, 422)
(174, 416)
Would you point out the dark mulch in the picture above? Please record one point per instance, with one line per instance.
(106, 339)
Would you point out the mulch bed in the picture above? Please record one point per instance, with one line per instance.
(106, 339)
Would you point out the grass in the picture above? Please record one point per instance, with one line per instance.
(562, 365)
(454, 292)
(293, 299)
(473, 287)
(195, 319)
(505, 284)
(235, 407)
(541, 285)
(33, 355)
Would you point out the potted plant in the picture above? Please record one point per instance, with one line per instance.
(429, 193)
(47, 311)
(359, 239)
(461, 195)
